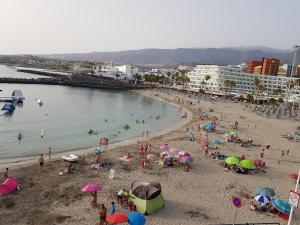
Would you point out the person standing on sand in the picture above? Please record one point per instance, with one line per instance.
(49, 148)
(102, 214)
(5, 173)
(41, 161)
(113, 208)
(94, 199)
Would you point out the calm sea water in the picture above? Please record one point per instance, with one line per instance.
(71, 112)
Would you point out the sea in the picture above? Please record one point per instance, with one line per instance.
(68, 113)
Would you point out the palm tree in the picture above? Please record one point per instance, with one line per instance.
(229, 85)
(207, 77)
(259, 88)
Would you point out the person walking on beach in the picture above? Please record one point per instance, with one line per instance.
(261, 155)
(94, 199)
(282, 154)
(41, 161)
(113, 208)
(287, 152)
(49, 148)
(5, 173)
(102, 214)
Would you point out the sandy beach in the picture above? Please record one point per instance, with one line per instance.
(201, 196)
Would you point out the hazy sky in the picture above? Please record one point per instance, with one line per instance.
(65, 26)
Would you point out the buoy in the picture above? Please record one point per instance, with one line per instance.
(42, 133)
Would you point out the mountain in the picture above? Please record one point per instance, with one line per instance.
(188, 56)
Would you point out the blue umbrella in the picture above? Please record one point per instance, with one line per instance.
(262, 199)
(216, 142)
(136, 219)
(99, 150)
(189, 134)
(281, 206)
(265, 191)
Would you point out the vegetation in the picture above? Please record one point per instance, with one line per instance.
(229, 85)
(150, 78)
(260, 88)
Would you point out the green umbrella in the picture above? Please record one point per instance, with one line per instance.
(234, 133)
(232, 160)
(247, 164)
(265, 191)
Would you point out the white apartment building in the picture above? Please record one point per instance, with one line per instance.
(211, 78)
(128, 70)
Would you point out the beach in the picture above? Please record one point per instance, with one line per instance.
(201, 196)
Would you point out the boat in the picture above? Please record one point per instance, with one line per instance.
(42, 133)
(91, 131)
(39, 101)
(17, 96)
(71, 158)
(126, 126)
(8, 107)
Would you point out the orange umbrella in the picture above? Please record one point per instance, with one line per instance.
(117, 218)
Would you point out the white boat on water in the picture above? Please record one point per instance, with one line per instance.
(39, 101)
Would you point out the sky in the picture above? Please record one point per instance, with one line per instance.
(73, 26)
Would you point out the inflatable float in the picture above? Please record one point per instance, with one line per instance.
(71, 158)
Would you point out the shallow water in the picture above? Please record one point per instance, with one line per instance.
(71, 112)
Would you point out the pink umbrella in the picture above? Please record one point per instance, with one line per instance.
(91, 188)
(184, 155)
(174, 151)
(164, 147)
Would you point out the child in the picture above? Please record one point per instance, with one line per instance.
(113, 208)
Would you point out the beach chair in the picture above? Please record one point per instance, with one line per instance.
(111, 174)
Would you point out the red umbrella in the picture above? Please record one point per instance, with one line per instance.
(294, 176)
(117, 218)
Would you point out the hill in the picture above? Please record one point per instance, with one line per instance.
(189, 56)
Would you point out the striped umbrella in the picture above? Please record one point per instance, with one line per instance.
(262, 199)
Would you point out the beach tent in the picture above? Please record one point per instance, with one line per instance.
(8, 186)
(146, 196)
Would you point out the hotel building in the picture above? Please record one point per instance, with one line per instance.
(211, 78)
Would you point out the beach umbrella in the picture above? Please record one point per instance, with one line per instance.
(262, 199)
(281, 206)
(136, 219)
(247, 164)
(294, 176)
(265, 191)
(234, 133)
(152, 157)
(216, 142)
(189, 134)
(186, 159)
(174, 151)
(182, 152)
(163, 153)
(99, 150)
(170, 156)
(91, 188)
(210, 127)
(117, 218)
(232, 160)
(164, 147)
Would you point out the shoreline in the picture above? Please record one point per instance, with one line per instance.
(17, 162)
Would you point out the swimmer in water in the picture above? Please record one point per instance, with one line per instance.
(105, 120)
(20, 136)
(143, 121)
